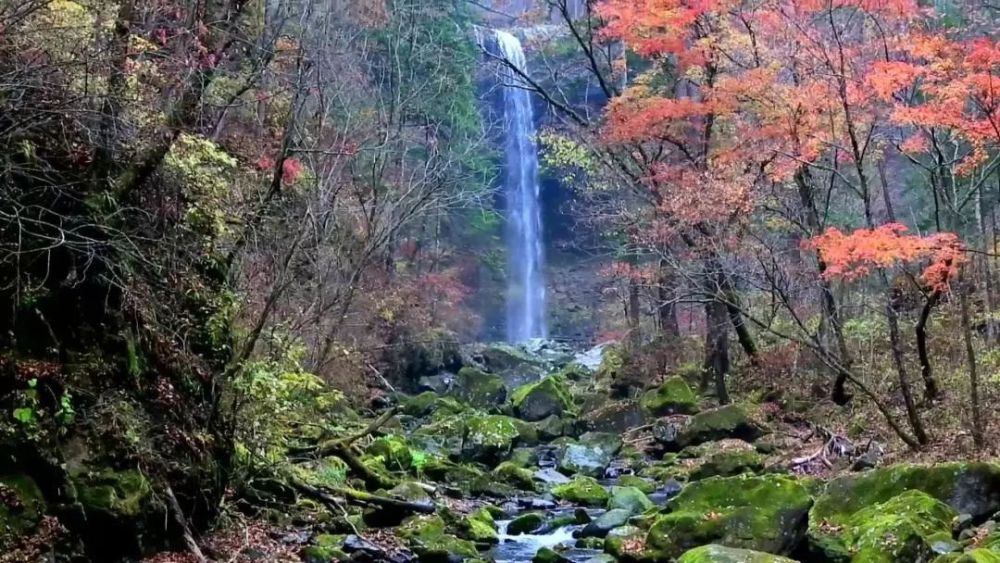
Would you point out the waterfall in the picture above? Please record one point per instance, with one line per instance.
(525, 259)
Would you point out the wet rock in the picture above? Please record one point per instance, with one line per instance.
(591, 456)
(763, 513)
(730, 421)
(667, 434)
(550, 476)
(542, 399)
(430, 539)
(547, 555)
(526, 523)
(673, 396)
(723, 554)
(606, 522)
(629, 499)
(439, 384)
(621, 542)
(645, 485)
(551, 427)
(514, 475)
(512, 363)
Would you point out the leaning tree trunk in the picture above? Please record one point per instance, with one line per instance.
(895, 343)
(931, 390)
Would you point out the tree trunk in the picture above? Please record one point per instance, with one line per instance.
(896, 345)
(716, 365)
(931, 390)
(970, 355)
(634, 331)
(666, 310)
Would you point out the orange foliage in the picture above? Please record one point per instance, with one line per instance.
(852, 255)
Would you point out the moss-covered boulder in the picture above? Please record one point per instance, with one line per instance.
(21, 507)
(901, 529)
(613, 416)
(629, 498)
(729, 421)
(626, 543)
(394, 451)
(724, 458)
(125, 494)
(479, 527)
(722, 554)
(582, 490)
(763, 513)
(526, 523)
(978, 555)
(645, 485)
(478, 388)
(430, 539)
(515, 475)
(490, 438)
(673, 396)
(549, 555)
(324, 548)
(539, 400)
(612, 363)
(419, 405)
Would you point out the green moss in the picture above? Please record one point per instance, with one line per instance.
(612, 363)
(393, 450)
(548, 555)
(573, 372)
(764, 513)
(21, 507)
(512, 474)
(979, 555)
(723, 554)
(966, 487)
(326, 547)
(429, 538)
(490, 438)
(644, 485)
(727, 463)
(479, 527)
(479, 389)
(536, 401)
(582, 490)
(900, 530)
(420, 405)
(125, 494)
(730, 421)
(526, 523)
(673, 396)
(629, 498)
(625, 542)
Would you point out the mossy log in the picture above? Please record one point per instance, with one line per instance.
(331, 496)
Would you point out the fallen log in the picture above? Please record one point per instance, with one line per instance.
(331, 496)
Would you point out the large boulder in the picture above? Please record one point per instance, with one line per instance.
(393, 450)
(724, 458)
(729, 421)
(721, 554)
(478, 388)
(536, 401)
(430, 539)
(673, 396)
(762, 513)
(614, 416)
(902, 529)
(582, 490)
(630, 499)
(600, 526)
(968, 488)
(490, 438)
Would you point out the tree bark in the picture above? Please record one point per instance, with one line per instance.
(716, 365)
(666, 310)
(970, 355)
(931, 390)
(895, 343)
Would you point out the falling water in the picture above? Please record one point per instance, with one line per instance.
(526, 288)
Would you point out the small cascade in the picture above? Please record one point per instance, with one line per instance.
(525, 258)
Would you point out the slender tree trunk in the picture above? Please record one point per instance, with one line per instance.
(666, 310)
(931, 390)
(716, 365)
(830, 310)
(896, 345)
(970, 355)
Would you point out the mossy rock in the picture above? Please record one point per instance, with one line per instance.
(459, 475)
(419, 405)
(121, 494)
(325, 548)
(625, 543)
(526, 523)
(552, 427)
(430, 539)
(645, 485)
(515, 475)
(393, 450)
(899, 530)
(721, 554)
(762, 513)
(478, 388)
(479, 527)
(539, 400)
(673, 396)
(21, 507)
(490, 438)
(731, 457)
(613, 416)
(729, 421)
(612, 363)
(978, 555)
(582, 490)
(629, 498)
(549, 555)
(411, 491)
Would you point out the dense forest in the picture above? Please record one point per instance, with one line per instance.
(557, 281)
